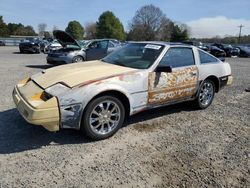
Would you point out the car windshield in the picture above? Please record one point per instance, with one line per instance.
(83, 44)
(135, 55)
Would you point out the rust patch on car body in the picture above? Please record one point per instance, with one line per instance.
(170, 86)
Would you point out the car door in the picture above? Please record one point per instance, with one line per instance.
(111, 47)
(97, 50)
(180, 84)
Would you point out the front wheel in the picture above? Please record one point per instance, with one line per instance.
(206, 94)
(103, 117)
(77, 59)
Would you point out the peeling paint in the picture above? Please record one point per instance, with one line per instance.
(71, 115)
(130, 77)
(169, 86)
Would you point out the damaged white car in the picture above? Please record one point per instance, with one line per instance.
(96, 96)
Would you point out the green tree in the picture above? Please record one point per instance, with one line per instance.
(12, 27)
(3, 28)
(75, 29)
(25, 31)
(109, 26)
(180, 33)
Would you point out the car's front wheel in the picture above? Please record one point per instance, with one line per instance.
(103, 117)
(205, 94)
(77, 59)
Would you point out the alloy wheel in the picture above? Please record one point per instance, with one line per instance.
(104, 117)
(206, 93)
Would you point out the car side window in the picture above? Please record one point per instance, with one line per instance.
(103, 44)
(206, 58)
(93, 45)
(99, 44)
(111, 45)
(178, 57)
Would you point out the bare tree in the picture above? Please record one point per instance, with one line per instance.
(42, 28)
(150, 23)
(90, 30)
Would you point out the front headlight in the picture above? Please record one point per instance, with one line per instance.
(57, 89)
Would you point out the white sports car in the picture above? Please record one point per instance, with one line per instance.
(96, 96)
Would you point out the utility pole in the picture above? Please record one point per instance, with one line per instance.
(240, 31)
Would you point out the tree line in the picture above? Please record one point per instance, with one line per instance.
(15, 29)
(148, 24)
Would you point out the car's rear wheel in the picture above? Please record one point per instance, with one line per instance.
(77, 59)
(206, 94)
(103, 117)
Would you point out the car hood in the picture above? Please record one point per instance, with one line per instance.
(29, 42)
(79, 73)
(64, 38)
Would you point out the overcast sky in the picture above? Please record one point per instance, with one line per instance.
(205, 18)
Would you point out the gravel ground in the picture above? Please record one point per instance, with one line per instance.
(174, 146)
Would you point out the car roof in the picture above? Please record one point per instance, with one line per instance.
(102, 39)
(162, 43)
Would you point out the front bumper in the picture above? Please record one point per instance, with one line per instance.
(226, 80)
(230, 80)
(29, 48)
(36, 111)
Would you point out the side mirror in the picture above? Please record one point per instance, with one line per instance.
(222, 59)
(163, 68)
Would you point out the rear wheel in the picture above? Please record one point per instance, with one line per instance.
(206, 94)
(103, 117)
(77, 59)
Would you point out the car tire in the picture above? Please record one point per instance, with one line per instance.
(205, 94)
(77, 59)
(103, 117)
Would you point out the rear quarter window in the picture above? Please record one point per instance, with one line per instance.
(206, 58)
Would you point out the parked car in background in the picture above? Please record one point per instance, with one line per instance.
(31, 45)
(43, 45)
(96, 96)
(217, 52)
(54, 45)
(2, 43)
(228, 49)
(197, 44)
(244, 51)
(74, 51)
